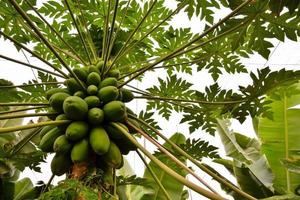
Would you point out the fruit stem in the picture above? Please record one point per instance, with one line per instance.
(29, 126)
(14, 116)
(24, 104)
(48, 183)
(197, 163)
(154, 176)
(172, 157)
(168, 170)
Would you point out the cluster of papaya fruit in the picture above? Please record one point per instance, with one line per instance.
(91, 113)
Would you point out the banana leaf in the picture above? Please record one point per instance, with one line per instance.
(280, 139)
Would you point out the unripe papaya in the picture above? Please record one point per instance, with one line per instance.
(99, 65)
(45, 130)
(62, 117)
(51, 110)
(108, 178)
(62, 145)
(95, 116)
(52, 91)
(60, 164)
(92, 101)
(114, 73)
(80, 94)
(56, 101)
(114, 132)
(92, 90)
(110, 81)
(93, 68)
(73, 85)
(48, 139)
(113, 157)
(77, 130)
(81, 73)
(93, 79)
(108, 93)
(125, 145)
(127, 95)
(115, 111)
(80, 151)
(75, 108)
(99, 140)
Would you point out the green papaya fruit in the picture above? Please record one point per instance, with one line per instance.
(75, 108)
(51, 110)
(62, 144)
(125, 145)
(99, 65)
(81, 73)
(108, 178)
(127, 95)
(108, 93)
(80, 151)
(93, 79)
(99, 140)
(95, 116)
(114, 73)
(60, 164)
(52, 91)
(62, 117)
(45, 130)
(56, 101)
(48, 139)
(92, 90)
(80, 94)
(93, 68)
(114, 132)
(72, 85)
(115, 111)
(110, 81)
(92, 101)
(113, 157)
(77, 130)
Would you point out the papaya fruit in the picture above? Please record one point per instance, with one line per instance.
(115, 111)
(75, 108)
(80, 94)
(95, 116)
(60, 164)
(72, 85)
(113, 157)
(108, 93)
(81, 73)
(62, 117)
(62, 144)
(51, 110)
(114, 132)
(77, 130)
(56, 101)
(92, 90)
(114, 73)
(52, 91)
(99, 140)
(45, 130)
(110, 81)
(80, 151)
(93, 79)
(48, 139)
(127, 95)
(125, 145)
(93, 68)
(108, 178)
(92, 101)
(99, 65)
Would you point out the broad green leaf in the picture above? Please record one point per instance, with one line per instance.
(174, 188)
(280, 139)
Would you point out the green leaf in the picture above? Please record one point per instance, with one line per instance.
(174, 189)
(280, 138)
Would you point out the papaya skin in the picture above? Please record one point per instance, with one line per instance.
(110, 81)
(60, 164)
(49, 138)
(92, 90)
(115, 111)
(95, 116)
(75, 108)
(108, 93)
(77, 130)
(56, 101)
(80, 151)
(92, 101)
(99, 140)
(52, 91)
(93, 79)
(113, 157)
(62, 144)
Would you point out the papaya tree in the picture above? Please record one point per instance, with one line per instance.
(91, 54)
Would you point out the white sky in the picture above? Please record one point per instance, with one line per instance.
(286, 55)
